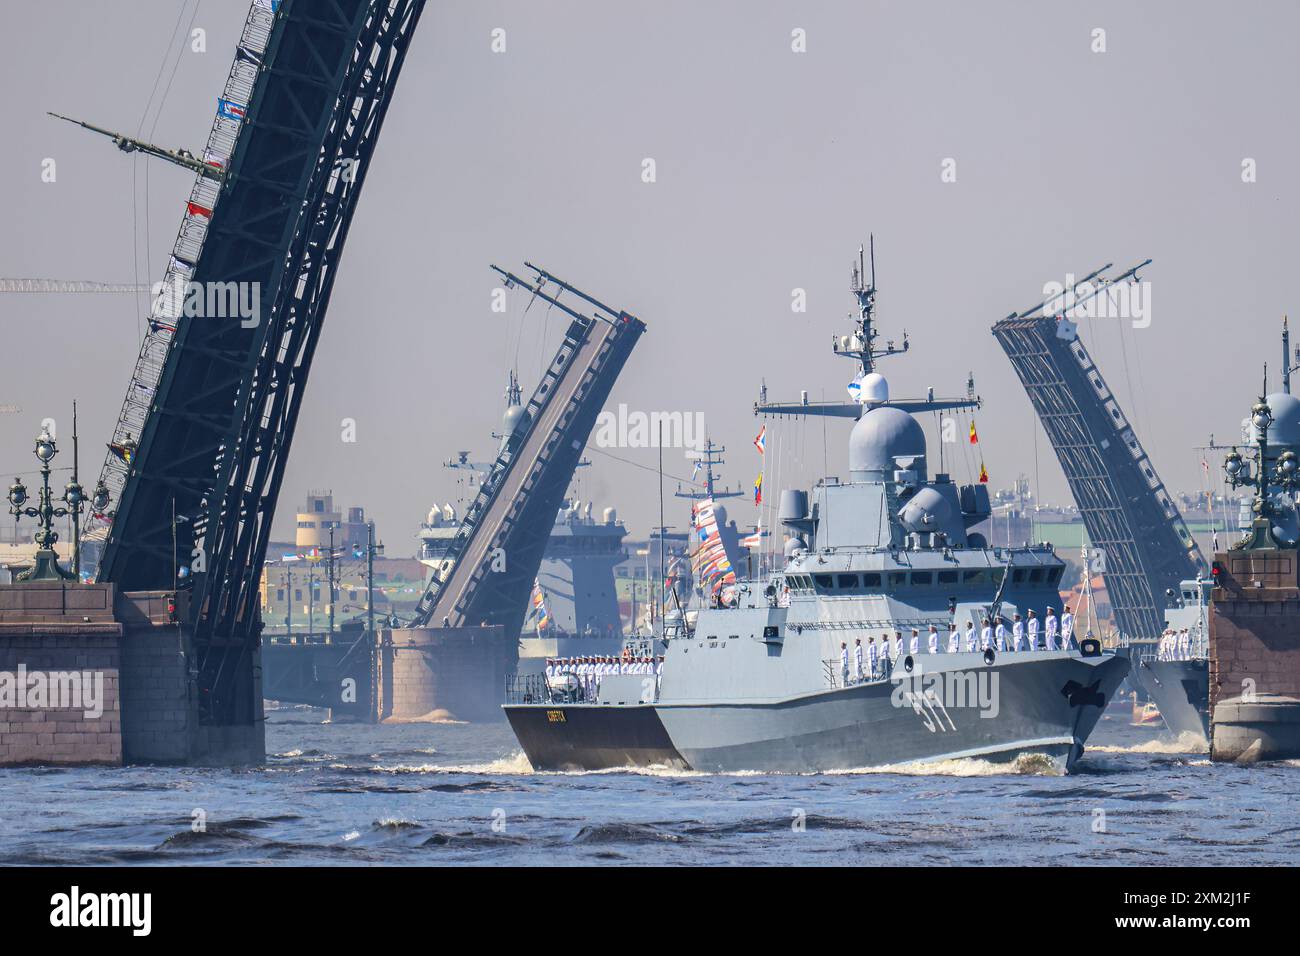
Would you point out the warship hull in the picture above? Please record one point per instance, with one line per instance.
(1181, 691)
(949, 706)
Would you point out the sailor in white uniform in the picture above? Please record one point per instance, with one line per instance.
(986, 635)
(954, 642)
(971, 639)
(1033, 631)
(934, 640)
(857, 660)
(1018, 634)
(914, 646)
(898, 644)
(873, 658)
(844, 662)
(1050, 626)
(1067, 629)
(1001, 634)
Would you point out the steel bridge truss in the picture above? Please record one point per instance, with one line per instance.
(214, 445)
(498, 549)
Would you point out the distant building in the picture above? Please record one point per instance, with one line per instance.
(317, 518)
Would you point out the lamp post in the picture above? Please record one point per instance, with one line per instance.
(372, 549)
(73, 503)
(1283, 474)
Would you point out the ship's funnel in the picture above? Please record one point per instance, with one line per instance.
(794, 505)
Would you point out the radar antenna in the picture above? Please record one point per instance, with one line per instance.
(860, 345)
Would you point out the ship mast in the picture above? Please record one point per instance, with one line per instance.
(860, 345)
(708, 460)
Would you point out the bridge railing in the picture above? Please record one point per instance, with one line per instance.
(167, 307)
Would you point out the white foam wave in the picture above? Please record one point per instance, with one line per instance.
(437, 716)
(1185, 743)
(1030, 764)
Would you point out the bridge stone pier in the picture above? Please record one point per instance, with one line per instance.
(91, 675)
(453, 672)
(1255, 655)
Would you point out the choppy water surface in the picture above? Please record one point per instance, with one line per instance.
(427, 794)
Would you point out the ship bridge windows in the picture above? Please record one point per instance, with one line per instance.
(871, 580)
(1036, 575)
(976, 576)
(824, 582)
(948, 577)
(922, 577)
(897, 579)
(847, 582)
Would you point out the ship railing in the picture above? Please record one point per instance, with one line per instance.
(836, 677)
(535, 689)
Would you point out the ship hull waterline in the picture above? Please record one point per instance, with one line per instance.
(1181, 691)
(1026, 703)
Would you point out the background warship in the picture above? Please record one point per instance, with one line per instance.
(758, 683)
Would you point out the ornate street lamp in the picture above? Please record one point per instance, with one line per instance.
(47, 566)
(1284, 475)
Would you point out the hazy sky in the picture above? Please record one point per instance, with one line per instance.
(772, 166)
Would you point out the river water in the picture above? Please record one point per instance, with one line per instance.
(449, 793)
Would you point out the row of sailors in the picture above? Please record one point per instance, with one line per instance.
(588, 671)
(1175, 645)
(876, 660)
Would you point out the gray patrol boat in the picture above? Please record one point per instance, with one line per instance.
(760, 685)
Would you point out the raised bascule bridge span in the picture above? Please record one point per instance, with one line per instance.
(198, 454)
(1128, 514)
(499, 546)
(216, 399)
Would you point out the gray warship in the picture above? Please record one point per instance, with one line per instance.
(1181, 688)
(758, 684)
